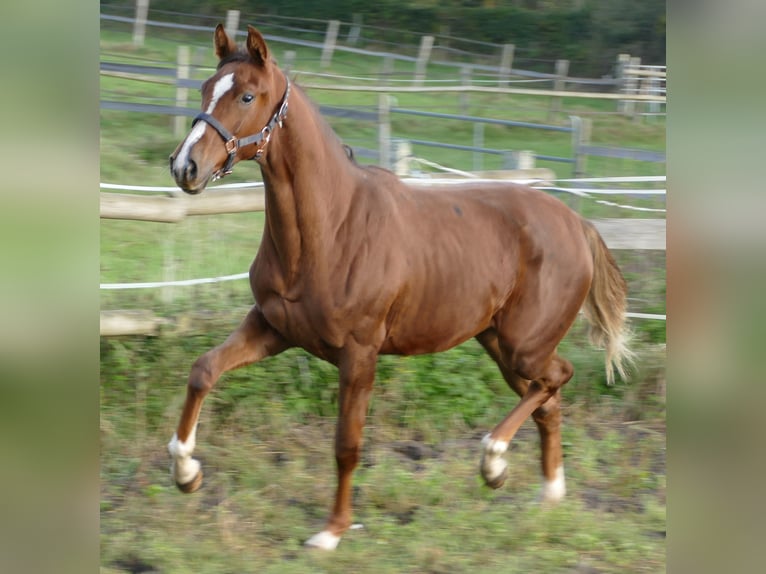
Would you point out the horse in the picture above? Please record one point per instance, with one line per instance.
(353, 264)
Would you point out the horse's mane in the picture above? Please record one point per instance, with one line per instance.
(241, 55)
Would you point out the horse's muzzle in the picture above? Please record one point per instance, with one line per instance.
(186, 175)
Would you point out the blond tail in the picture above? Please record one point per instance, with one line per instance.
(606, 305)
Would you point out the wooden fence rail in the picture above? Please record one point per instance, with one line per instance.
(174, 209)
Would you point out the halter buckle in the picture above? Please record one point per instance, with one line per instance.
(282, 114)
(231, 145)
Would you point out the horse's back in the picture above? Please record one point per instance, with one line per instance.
(461, 252)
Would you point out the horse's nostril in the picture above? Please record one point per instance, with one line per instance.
(191, 170)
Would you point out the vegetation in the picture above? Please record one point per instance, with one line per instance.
(265, 437)
(590, 33)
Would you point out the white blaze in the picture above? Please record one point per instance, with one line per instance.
(223, 85)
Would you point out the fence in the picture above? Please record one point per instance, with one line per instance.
(579, 129)
(636, 79)
(439, 50)
(330, 36)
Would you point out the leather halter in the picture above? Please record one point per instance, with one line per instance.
(232, 143)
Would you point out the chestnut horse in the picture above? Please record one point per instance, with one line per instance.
(354, 263)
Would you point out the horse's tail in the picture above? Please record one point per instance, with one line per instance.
(606, 304)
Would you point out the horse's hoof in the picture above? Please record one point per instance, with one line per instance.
(498, 480)
(325, 540)
(191, 486)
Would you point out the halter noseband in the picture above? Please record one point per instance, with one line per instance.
(232, 143)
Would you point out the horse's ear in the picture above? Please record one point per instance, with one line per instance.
(224, 46)
(256, 46)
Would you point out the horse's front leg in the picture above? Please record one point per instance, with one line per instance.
(357, 375)
(252, 341)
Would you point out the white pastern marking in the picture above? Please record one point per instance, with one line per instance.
(223, 85)
(184, 468)
(554, 490)
(494, 447)
(492, 463)
(325, 540)
(180, 449)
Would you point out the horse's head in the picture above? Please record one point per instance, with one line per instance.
(242, 103)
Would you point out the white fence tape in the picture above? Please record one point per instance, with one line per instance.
(176, 189)
(647, 316)
(181, 283)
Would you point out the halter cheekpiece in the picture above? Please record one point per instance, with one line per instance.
(232, 143)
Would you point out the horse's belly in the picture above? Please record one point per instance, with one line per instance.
(417, 330)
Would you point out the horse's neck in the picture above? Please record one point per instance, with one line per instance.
(309, 183)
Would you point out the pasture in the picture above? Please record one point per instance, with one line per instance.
(266, 431)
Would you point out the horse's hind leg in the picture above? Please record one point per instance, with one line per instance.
(548, 420)
(252, 341)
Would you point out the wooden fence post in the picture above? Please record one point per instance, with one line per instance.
(329, 42)
(632, 85)
(465, 80)
(289, 61)
(402, 154)
(139, 24)
(506, 62)
(444, 43)
(653, 89)
(524, 159)
(355, 31)
(168, 292)
(622, 62)
(478, 141)
(581, 132)
(559, 85)
(426, 43)
(232, 23)
(182, 93)
(384, 130)
(387, 71)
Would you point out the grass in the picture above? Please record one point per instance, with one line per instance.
(266, 439)
(266, 431)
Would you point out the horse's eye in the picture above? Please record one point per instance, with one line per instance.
(247, 98)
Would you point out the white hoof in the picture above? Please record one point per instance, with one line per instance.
(494, 469)
(184, 471)
(325, 540)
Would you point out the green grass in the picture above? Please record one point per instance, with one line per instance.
(266, 431)
(266, 438)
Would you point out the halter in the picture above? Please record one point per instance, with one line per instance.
(232, 143)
